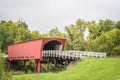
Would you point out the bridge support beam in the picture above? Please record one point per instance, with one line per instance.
(55, 63)
(9, 65)
(48, 62)
(37, 65)
(25, 66)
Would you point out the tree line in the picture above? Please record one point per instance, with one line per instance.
(103, 36)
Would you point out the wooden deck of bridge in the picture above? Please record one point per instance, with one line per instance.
(60, 57)
(71, 54)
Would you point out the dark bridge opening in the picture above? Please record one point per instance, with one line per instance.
(53, 45)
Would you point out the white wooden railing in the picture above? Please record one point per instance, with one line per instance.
(72, 54)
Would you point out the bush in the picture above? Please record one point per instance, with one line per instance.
(116, 50)
(2, 65)
(4, 75)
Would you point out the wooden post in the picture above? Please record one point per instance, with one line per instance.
(35, 66)
(38, 66)
(25, 66)
(48, 64)
(76, 60)
(55, 63)
(65, 64)
(9, 64)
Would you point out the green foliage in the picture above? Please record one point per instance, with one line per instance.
(106, 25)
(4, 75)
(75, 35)
(55, 33)
(87, 69)
(23, 32)
(7, 76)
(117, 25)
(30, 66)
(94, 30)
(35, 35)
(16, 72)
(98, 29)
(116, 50)
(2, 65)
(104, 37)
(108, 42)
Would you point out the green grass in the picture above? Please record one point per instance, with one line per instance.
(87, 69)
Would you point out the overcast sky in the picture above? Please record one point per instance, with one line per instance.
(44, 15)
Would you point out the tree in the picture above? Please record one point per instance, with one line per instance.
(23, 33)
(75, 35)
(101, 35)
(69, 44)
(108, 42)
(117, 25)
(106, 25)
(35, 35)
(55, 33)
(96, 30)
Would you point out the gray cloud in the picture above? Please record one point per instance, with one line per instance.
(43, 15)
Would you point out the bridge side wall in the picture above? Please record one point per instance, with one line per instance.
(25, 50)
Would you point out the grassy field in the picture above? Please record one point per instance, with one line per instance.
(87, 69)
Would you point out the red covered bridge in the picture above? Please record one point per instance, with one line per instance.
(46, 50)
(32, 50)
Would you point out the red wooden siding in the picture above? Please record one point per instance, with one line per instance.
(30, 49)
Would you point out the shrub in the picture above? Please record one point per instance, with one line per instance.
(4, 75)
(2, 65)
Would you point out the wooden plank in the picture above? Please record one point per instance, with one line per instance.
(72, 54)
